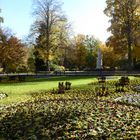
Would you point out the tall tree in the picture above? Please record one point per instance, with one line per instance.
(125, 21)
(48, 18)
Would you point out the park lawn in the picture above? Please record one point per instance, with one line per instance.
(18, 92)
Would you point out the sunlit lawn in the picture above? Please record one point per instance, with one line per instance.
(18, 92)
(21, 91)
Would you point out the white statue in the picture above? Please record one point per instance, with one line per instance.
(99, 63)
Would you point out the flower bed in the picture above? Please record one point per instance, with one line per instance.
(78, 114)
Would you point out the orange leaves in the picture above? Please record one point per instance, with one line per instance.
(12, 51)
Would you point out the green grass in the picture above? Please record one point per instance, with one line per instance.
(18, 92)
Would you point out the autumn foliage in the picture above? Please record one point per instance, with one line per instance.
(13, 52)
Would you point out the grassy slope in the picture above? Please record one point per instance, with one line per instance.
(21, 91)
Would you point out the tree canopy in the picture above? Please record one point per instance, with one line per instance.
(125, 21)
(12, 52)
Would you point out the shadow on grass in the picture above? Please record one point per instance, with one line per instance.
(29, 80)
(59, 78)
(35, 81)
(17, 84)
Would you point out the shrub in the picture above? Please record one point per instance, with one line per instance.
(67, 85)
(123, 81)
(61, 87)
(22, 68)
(21, 78)
(12, 78)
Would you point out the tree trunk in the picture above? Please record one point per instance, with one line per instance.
(48, 65)
(4, 67)
(130, 62)
(129, 43)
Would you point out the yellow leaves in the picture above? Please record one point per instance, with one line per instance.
(109, 56)
(136, 49)
(80, 38)
(137, 52)
(137, 38)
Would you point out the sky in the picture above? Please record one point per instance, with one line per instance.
(86, 16)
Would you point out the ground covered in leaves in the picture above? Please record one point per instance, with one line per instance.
(77, 114)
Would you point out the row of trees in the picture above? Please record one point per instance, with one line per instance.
(123, 44)
(55, 47)
(79, 53)
(54, 44)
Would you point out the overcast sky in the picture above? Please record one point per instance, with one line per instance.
(86, 16)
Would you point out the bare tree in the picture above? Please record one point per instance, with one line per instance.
(48, 15)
